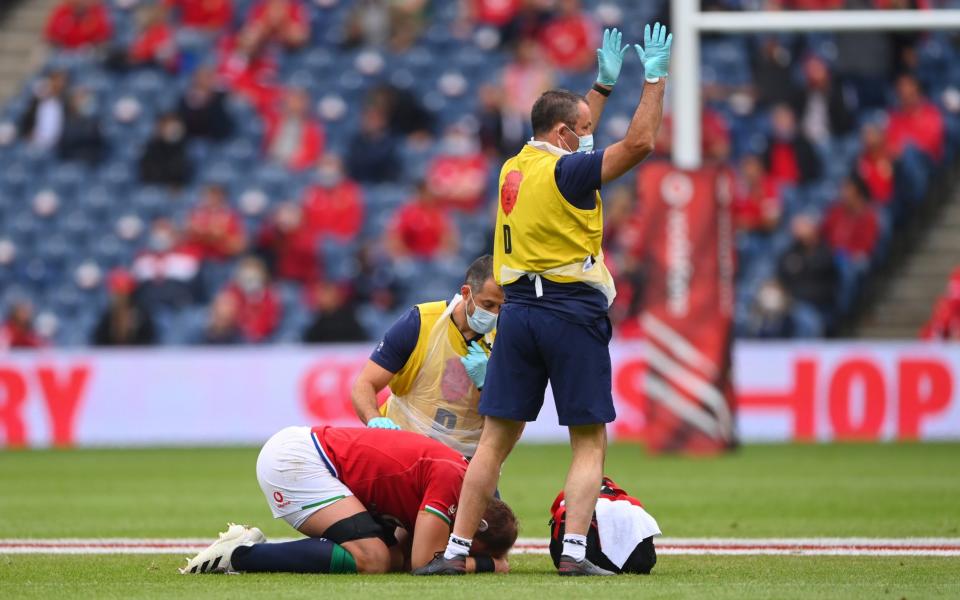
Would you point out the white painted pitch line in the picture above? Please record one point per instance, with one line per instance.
(665, 546)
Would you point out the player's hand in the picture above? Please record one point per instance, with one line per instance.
(655, 52)
(501, 565)
(382, 423)
(475, 362)
(610, 57)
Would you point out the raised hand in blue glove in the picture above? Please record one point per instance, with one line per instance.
(655, 53)
(475, 362)
(610, 57)
(382, 423)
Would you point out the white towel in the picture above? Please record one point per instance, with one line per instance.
(622, 526)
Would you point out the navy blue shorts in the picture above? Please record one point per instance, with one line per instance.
(535, 345)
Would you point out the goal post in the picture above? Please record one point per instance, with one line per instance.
(688, 22)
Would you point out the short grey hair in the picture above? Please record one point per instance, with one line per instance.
(479, 272)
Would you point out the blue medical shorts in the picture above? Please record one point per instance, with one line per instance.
(534, 345)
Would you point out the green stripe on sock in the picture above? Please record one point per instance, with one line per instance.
(322, 502)
(342, 561)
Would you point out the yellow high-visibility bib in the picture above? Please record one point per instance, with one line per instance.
(539, 233)
(433, 394)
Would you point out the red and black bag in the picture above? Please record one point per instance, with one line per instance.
(641, 561)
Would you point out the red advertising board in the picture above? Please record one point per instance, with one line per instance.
(688, 258)
(787, 392)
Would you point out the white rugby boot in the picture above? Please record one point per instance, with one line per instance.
(216, 557)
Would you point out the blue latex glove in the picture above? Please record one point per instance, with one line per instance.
(610, 57)
(655, 53)
(475, 362)
(383, 423)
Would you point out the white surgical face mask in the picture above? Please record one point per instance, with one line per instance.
(482, 321)
(586, 142)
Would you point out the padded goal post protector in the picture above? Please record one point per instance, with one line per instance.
(687, 250)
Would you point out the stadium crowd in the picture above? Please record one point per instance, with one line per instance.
(237, 171)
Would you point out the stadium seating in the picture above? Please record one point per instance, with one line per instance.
(443, 70)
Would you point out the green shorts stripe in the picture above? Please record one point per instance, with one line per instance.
(322, 502)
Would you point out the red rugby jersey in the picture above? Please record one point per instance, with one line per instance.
(395, 473)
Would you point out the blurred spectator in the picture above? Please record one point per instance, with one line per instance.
(202, 108)
(756, 201)
(852, 229)
(528, 22)
(944, 323)
(770, 313)
(376, 23)
(875, 165)
(42, 123)
(164, 160)
(368, 25)
(823, 105)
(625, 312)
(124, 322)
(620, 233)
(214, 228)
(222, 327)
(153, 43)
(17, 331)
(790, 158)
(808, 272)
(288, 246)
(915, 122)
(570, 39)
(524, 80)
(376, 280)
(211, 15)
(283, 22)
(772, 74)
(334, 318)
(249, 72)
(494, 130)
(866, 60)
(82, 138)
(77, 24)
(421, 228)
(258, 308)
(851, 226)
(294, 137)
(714, 139)
(373, 155)
(498, 13)
(457, 177)
(167, 270)
(405, 114)
(334, 204)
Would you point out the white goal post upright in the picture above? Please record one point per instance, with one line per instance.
(688, 22)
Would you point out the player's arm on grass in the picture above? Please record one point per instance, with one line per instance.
(430, 536)
(638, 143)
(609, 60)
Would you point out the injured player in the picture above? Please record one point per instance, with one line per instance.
(368, 500)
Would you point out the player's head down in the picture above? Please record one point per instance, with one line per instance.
(498, 530)
(560, 118)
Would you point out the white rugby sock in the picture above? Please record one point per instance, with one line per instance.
(457, 546)
(575, 546)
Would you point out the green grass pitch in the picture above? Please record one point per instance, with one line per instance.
(897, 490)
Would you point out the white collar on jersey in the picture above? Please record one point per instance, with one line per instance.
(554, 150)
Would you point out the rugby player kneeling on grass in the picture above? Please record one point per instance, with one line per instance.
(368, 500)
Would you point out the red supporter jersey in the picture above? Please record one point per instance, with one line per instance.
(395, 473)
